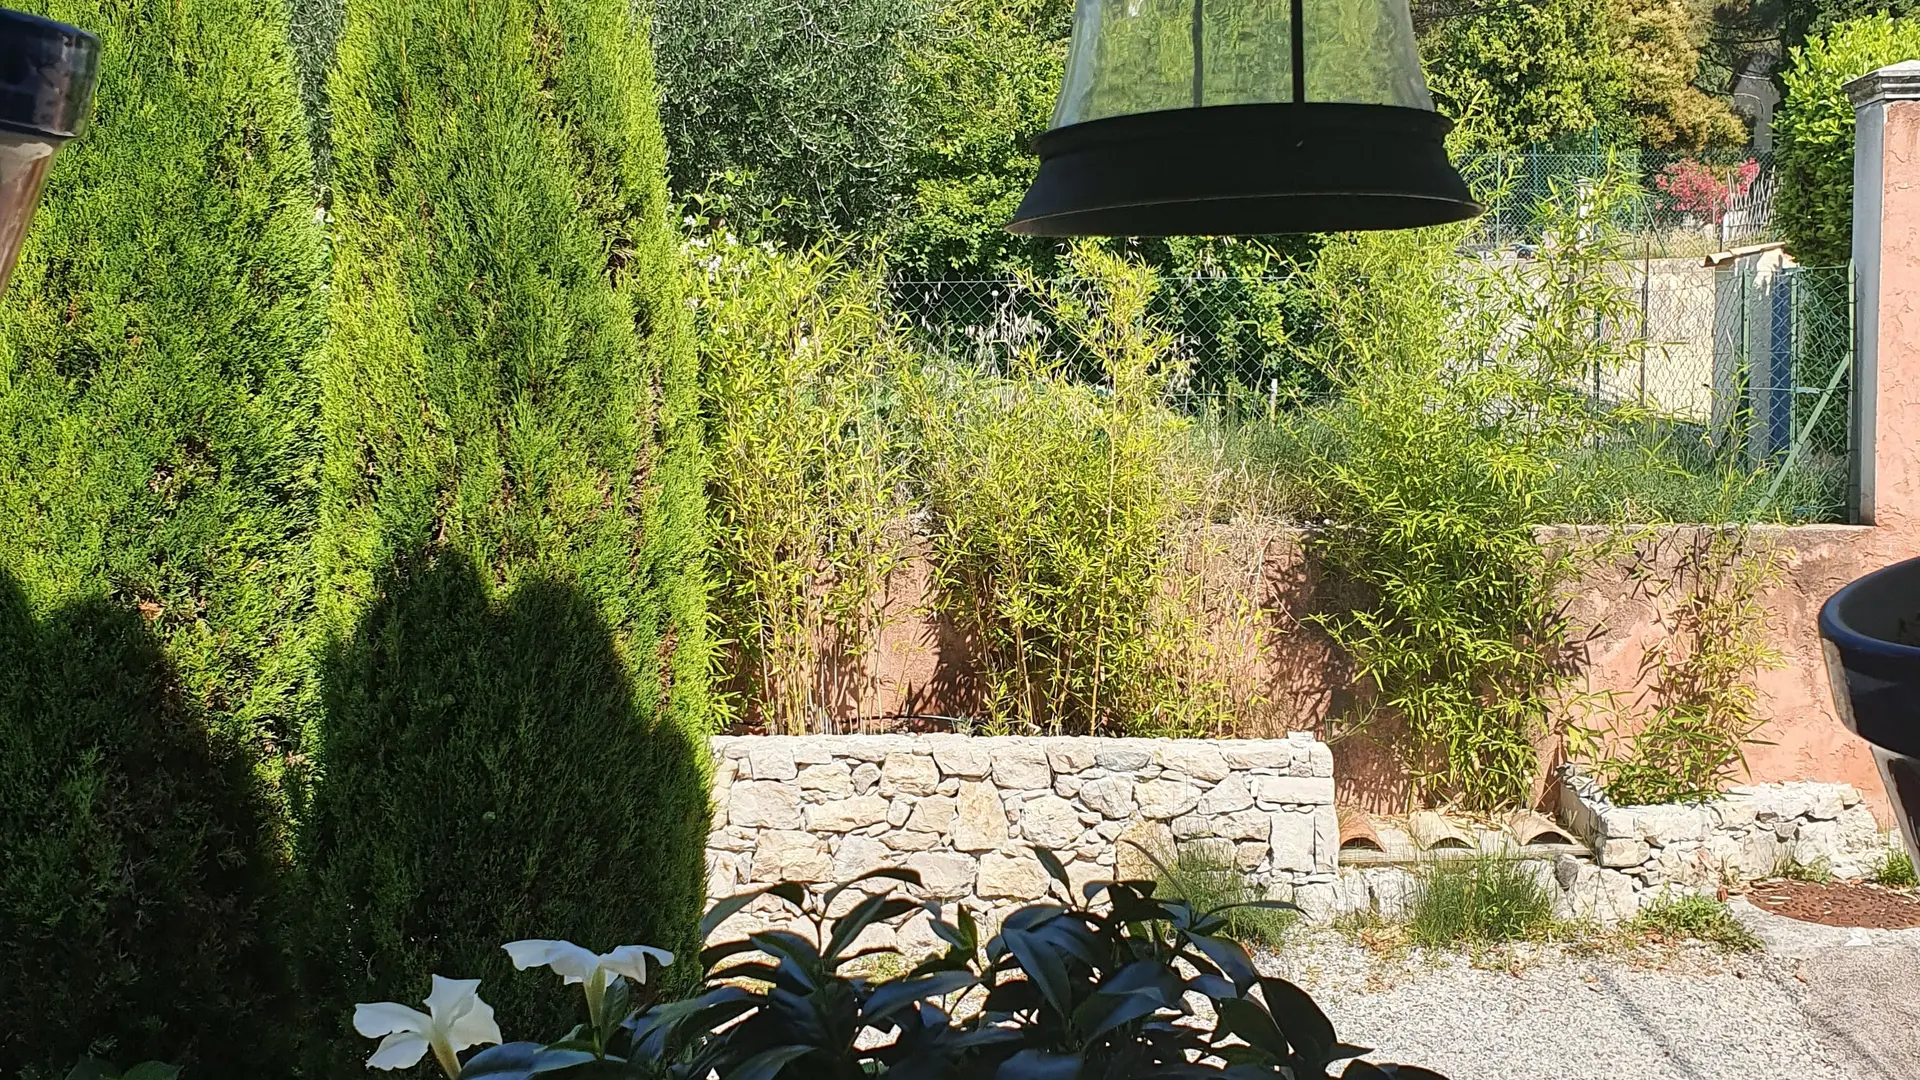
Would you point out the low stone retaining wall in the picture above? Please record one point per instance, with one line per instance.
(966, 813)
(1643, 852)
(1742, 836)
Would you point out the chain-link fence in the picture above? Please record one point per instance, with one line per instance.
(1737, 375)
(1681, 205)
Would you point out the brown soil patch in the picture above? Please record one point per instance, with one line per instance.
(1837, 905)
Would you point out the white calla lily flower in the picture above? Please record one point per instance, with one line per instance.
(591, 970)
(455, 1019)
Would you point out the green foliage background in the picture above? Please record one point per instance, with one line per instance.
(515, 686)
(157, 494)
(1813, 133)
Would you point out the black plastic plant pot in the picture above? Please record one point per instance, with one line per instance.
(1871, 630)
(47, 71)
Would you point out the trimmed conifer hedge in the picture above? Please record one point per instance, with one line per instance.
(157, 495)
(515, 698)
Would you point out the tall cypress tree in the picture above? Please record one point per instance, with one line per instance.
(514, 700)
(157, 501)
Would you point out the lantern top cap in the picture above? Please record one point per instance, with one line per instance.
(47, 73)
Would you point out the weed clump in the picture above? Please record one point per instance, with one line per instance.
(1479, 901)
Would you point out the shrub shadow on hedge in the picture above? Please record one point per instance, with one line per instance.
(140, 874)
(485, 773)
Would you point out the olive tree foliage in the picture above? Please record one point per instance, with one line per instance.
(802, 111)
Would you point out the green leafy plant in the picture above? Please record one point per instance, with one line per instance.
(1699, 674)
(1478, 901)
(1695, 917)
(1081, 990)
(1894, 870)
(1203, 880)
(1057, 510)
(797, 353)
(1457, 391)
(1813, 132)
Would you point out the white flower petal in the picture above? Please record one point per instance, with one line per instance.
(474, 1028)
(450, 999)
(400, 1050)
(374, 1019)
(567, 960)
(631, 961)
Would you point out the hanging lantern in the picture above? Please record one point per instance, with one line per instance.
(47, 71)
(1242, 117)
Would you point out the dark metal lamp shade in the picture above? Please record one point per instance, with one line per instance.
(47, 72)
(1242, 117)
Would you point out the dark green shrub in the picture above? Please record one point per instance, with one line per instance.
(156, 500)
(515, 692)
(1813, 133)
(1102, 986)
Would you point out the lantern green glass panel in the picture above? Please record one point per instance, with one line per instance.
(1221, 117)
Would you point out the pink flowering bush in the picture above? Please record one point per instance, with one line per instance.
(1694, 187)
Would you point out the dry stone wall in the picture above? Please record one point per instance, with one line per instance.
(967, 811)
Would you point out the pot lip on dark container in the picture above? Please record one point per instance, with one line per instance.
(1876, 679)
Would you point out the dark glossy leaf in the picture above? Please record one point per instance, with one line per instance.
(508, 1061)
(848, 926)
(1343, 1051)
(1044, 967)
(1362, 1070)
(554, 1059)
(90, 1069)
(795, 950)
(1031, 916)
(618, 1000)
(1306, 1026)
(1138, 974)
(953, 935)
(1231, 957)
(723, 910)
(748, 969)
(151, 1070)
(1031, 1064)
(1212, 986)
(767, 1064)
(1017, 995)
(1102, 1012)
(1252, 1024)
(894, 996)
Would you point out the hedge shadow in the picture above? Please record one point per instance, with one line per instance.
(140, 874)
(486, 774)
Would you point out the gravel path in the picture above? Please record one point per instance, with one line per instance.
(1678, 1014)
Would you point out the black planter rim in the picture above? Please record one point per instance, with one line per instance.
(1245, 170)
(1834, 627)
(47, 72)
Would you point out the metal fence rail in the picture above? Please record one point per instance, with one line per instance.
(1738, 368)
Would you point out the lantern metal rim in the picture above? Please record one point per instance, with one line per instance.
(1240, 170)
(46, 82)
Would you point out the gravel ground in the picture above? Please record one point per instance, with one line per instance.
(1689, 1013)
